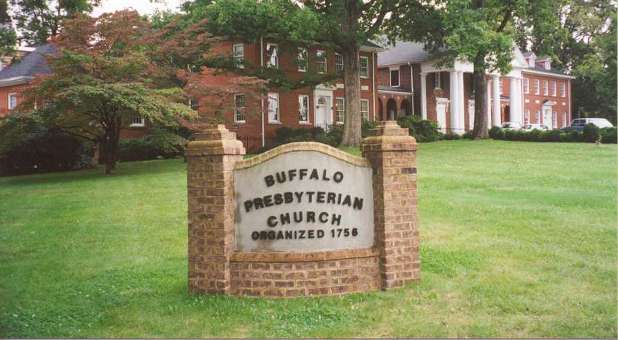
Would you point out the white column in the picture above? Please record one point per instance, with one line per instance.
(515, 101)
(461, 118)
(496, 117)
(454, 100)
(488, 103)
(424, 95)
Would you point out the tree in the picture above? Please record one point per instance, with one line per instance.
(8, 38)
(479, 31)
(102, 79)
(39, 20)
(341, 25)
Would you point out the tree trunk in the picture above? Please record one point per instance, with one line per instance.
(109, 145)
(480, 99)
(353, 120)
(351, 77)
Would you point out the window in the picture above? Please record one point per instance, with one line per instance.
(394, 77)
(340, 110)
(338, 62)
(273, 108)
(364, 108)
(303, 109)
(526, 86)
(553, 88)
(500, 86)
(238, 54)
(12, 100)
(527, 117)
(562, 89)
(537, 87)
(364, 67)
(239, 108)
(272, 54)
(545, 87)
(137, 121)
(554, 119)
(320, 56)
(437, 80)
(301, 59)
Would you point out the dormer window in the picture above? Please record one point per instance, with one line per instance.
(547, 65)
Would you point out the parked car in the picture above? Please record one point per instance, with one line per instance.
(511, 126)
(530, 127)
(579, 123)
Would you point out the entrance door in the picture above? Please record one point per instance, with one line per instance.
(323, 111)
(441, 115)
(547, 117)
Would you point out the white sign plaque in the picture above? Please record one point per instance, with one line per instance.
(304, 201)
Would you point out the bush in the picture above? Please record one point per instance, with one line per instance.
(496, 133)
(570, 136)
(468, 135)
(27, 146)
(591, 133)
(451, 136)
(550, 136)
(284, 135)
(422, 130)
(608, 135)
(367, 127)
(159, 143)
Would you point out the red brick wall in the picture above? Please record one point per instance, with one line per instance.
(4, 97)
(534, 103)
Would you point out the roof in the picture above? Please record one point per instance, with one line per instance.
(527, 54)
(403, 52)
(30, 65)
(553, 71)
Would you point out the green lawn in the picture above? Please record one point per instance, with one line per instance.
(518, 240)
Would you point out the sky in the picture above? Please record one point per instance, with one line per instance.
(142, 6)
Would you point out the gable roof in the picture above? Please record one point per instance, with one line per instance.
(30, 65)
(403, 52)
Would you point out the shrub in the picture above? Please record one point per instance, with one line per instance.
(367, 127)
(591, 133)
(284, 135)
(422, 130)
(468, 135)
(551, 136)
(27, 146)
(159, 143)
(570, 136)
(496, 133)
(451, 136)
(608, 135)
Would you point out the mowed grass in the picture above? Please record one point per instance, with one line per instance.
(518, 240)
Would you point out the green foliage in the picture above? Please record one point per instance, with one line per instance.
(366, 128)
(591, 133)
(27, 146)
(157, 144)
(286, 135)
(608, 135)
(422, 130)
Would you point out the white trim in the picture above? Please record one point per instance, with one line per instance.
(15, 81)
(361, 108)
(241, 57)
(236, 108)
(337, 111)
(278, 113)
(8, 100)
(395, 92)
(325, 61)
(360, 57)
(308, 121)
(547, 73)
(390, 76)
(373, 80)
(304, 67)
(342, 63)
(270, 57)
(137, 121)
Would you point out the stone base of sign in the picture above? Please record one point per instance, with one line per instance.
(215, 266)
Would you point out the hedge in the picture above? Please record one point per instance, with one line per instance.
(590, 134)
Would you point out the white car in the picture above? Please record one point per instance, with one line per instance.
(531, 127)
(579, 123)
(511, 126)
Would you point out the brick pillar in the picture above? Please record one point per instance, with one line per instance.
(392, 154)
(210, 181)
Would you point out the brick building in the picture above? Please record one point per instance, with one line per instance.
(256, 119)
(410, 82)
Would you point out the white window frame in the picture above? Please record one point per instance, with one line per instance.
(272, 60)
(390, 76)
(562, 89)
(239, 57)
(554, 89)
(526, 85)
(137, 121)
(364, 114)
(321, 61)
(363, 74)
(339, 110)
(8, 98)
(527, 117)
(274, 116)
(537, 87)
(239, 110)
(301, 98)
(302, 59)
(545, 87)
(338, 64)
(500, 87)
(437, 80)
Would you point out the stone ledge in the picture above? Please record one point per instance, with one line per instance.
(281, 257)
(302, 146)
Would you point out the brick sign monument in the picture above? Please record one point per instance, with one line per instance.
(303, 218)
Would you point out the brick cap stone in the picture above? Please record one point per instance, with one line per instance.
(388, 136)
(288, 257)
(215, 140)
(302, 146)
